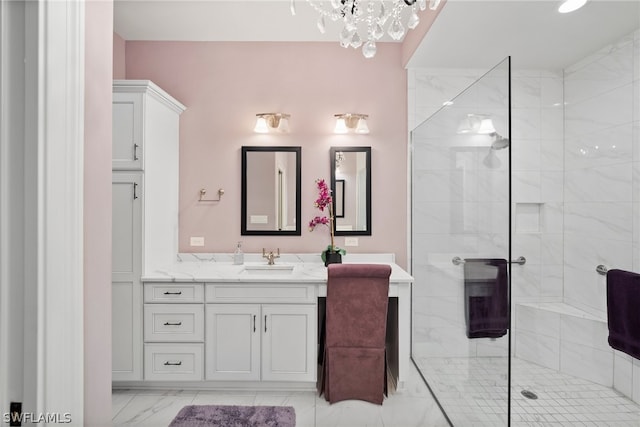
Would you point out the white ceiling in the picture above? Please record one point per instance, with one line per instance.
(479, 33)
(467, 33)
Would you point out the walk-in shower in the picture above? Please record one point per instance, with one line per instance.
(557, 183)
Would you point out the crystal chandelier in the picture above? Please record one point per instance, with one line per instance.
(375, 15)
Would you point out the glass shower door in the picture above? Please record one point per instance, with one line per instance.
(460, 252)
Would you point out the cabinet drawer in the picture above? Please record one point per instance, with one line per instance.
(170, 293)
(173, 362)
(259, 293)
(173, 322)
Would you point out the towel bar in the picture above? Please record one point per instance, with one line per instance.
(520, 260)
(602, 269)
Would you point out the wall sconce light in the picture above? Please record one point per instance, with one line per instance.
(469, 124)
(486, 126)
(267, 122)
(351, 122)
(476, 124)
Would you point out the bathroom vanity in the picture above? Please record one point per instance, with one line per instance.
(210, 324)
(199, 321)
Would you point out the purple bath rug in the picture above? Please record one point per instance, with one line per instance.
(235, 416)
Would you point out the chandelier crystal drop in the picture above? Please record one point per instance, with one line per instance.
(366, 21)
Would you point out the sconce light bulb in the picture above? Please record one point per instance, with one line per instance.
(362, 127)
(283, 126)
(486, 127)
(261, 125)
(341, 126)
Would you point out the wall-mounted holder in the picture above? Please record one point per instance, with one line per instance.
(203, 192)
(602, 269)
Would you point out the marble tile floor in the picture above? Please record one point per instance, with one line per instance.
(473, 393)
(411, 407)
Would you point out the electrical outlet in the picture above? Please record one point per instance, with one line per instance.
(197, 241)
(351, 241)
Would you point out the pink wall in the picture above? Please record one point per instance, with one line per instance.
(224, 84)
(118, 57)
(97, 213)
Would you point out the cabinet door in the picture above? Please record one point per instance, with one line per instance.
(289, 344)
(127, 132)
(232, 348)
(125, 277)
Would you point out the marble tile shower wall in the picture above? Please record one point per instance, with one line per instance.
(537, 164)
(601, 153)
(602, 196)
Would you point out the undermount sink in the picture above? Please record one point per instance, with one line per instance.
(269, 269)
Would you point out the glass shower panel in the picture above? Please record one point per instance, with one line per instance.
(460, 251)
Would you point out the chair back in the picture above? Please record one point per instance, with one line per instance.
(357, 301)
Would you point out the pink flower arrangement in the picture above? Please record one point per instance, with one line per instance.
(325, 201)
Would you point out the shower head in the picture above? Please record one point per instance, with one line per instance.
(491, 160)
(500, 142)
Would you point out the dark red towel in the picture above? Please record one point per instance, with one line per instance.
(623, 311)
(486, 297)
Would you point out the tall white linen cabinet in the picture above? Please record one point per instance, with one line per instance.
(145, 208)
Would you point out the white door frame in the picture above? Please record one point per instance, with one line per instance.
(50, 200)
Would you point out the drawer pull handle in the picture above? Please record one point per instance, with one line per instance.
(172, 323)
(135, 152)
(265, 323)
(254, 323)
(167, 363)
(173, 293)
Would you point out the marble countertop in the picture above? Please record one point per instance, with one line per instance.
(295, 268)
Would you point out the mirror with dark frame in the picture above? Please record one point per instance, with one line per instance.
(351, 190)
(271, 179)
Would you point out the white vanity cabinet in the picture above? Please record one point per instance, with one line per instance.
(208, 324)
(143, 117)
(173, 332)
(248, 339)
(144, 208)
(126, 292)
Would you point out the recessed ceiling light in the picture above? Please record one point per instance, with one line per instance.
(571, 5)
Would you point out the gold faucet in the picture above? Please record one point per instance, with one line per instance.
(270, 256)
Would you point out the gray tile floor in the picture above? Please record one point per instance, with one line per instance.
(411, 407)
(473, 393)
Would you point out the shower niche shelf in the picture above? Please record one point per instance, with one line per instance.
(528, 218)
